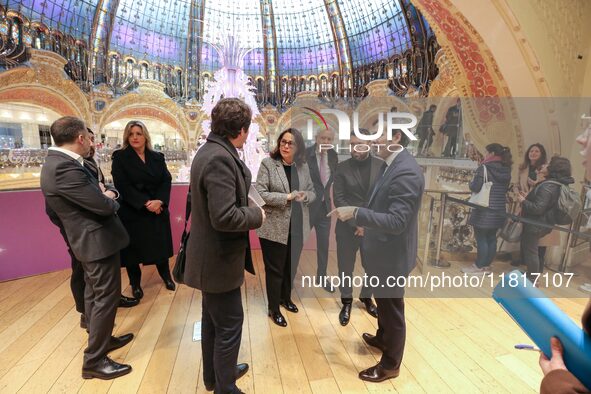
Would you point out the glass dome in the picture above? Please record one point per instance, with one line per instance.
(302, 32)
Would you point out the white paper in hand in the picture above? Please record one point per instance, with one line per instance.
(254, 198)
(197, 331)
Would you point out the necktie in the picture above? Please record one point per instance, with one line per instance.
(323, 168)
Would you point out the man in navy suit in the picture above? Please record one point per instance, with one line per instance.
(389, 248)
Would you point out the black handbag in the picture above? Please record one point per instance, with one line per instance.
(178, 272)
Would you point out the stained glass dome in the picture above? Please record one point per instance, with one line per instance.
(158, 30)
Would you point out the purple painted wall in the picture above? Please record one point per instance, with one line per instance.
(31, 245)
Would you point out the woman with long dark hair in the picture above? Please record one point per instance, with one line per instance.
(535, 157)
(284, 183)
(540, 205)
(497, 164)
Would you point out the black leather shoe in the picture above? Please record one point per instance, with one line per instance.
(371, 340)
(290, 306)
(169, 284)
(83, 323)
(371, 308)
(106, 369)
(278, 318)
(127, 302)
(137, 292)
(345, 314)
(378, 373)
(118, 342)
(241, 370)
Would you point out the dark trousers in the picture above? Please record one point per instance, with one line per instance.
(77, 284)
(281, 264)
(322, 225)
(451, 148)
(221, 332)
(135, 272)
(530, 253)
(486, 246)
(101, 296)
(347, 246)
(391, 330)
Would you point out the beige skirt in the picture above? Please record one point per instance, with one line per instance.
(552, 239)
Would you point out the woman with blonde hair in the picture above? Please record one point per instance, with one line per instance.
(143, 181)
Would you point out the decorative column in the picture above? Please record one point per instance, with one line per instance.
(341, 40)
(193, 55)
(272, 83)
(100, 39)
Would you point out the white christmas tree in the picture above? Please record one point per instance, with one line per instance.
(231, 81)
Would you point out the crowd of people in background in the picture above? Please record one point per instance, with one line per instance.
(377, 197)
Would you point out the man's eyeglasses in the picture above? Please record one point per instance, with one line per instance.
(289, 144)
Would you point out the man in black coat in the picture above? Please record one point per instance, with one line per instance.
(353, 183)
(425, 130)
(389, 248)
(218, 249)
(451, 128)
(77, 284)
(95, 234)
(322, 164)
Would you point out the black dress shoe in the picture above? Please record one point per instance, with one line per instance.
(378, 373)
(169, 284)
(137, 292)
(370, 307)
(127, 302)
(106, 369)
(278, 318)
(241, 370)
(290, 306)
(345, 314)
(83, 323)
(118, 342)
(372, 340)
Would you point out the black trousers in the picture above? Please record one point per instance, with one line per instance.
(221, 333)
(347, 246)
(391, 330)
(322, 225)
(281, 263)
(451, 147)
(77, 279)
(135, 272)
(531, 254)
(77, 284)
(101, 296)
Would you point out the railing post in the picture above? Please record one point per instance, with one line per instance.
(438, 263)
(429, 228)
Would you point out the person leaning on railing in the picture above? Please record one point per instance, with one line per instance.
(541, 204)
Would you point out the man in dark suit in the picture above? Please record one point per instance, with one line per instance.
(322, 164)
(425, 130)
(218, 249)
(451, 128)
(353, 183)
(389, 248)
(95, 235)
(77, 284)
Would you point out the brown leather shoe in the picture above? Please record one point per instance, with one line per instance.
(373, 341)
(378, 373)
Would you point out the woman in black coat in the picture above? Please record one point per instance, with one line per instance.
(541, 205)
(143, 181)
(486, 223)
